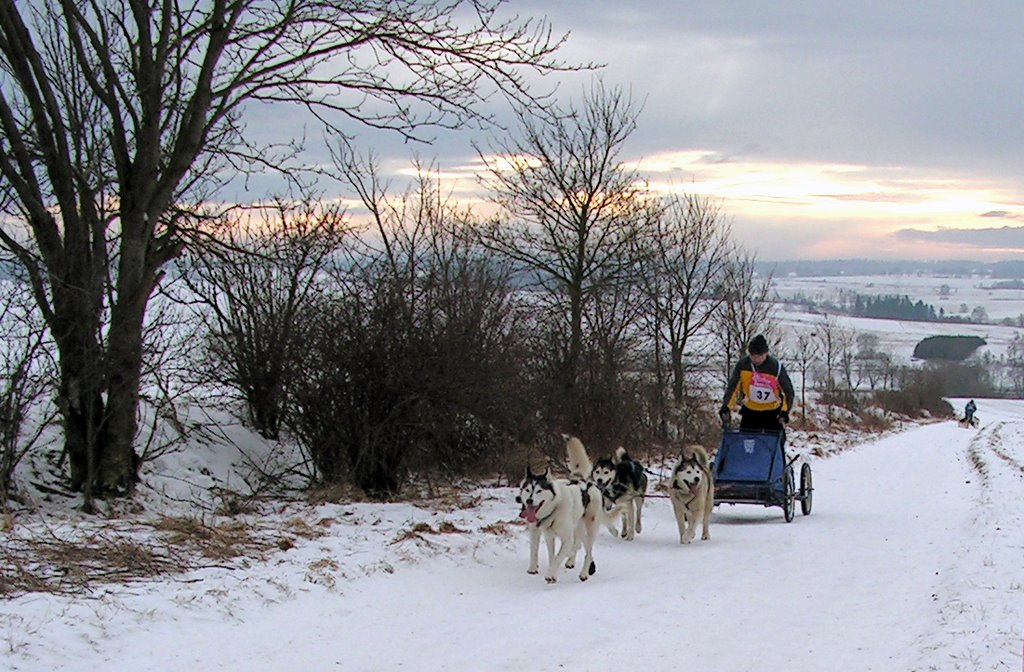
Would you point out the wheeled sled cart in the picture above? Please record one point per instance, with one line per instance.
(750, 467)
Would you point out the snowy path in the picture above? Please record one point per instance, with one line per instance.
(910, 561)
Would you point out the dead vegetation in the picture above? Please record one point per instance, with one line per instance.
(77, 563)
(419, 530)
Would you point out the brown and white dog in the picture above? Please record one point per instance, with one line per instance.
(692, 491)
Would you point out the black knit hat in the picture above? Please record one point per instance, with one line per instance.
(758, 345)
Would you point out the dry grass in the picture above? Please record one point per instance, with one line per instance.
(78, 564)
(420, 530)
(500, 528)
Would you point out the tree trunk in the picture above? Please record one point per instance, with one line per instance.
(81, 404)
(678, 374)
(75, 325)
(117, 463)
(99, 393)
(572, 363)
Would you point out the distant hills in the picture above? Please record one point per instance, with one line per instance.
(948, 268)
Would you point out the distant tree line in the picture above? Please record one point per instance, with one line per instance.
(862, 267)
(892, 307)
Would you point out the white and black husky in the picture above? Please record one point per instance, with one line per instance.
(561, 510)
(624, 483)
(568, 511)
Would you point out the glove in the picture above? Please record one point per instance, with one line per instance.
(784, 417)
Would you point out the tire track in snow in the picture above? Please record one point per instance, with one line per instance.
(978, 627)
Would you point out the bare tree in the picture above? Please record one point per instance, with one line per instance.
(117, 116)
(834, 344)
(847, 357)
(1015, 364)
(254, 281)
(685, 267)
(746, 307)
(871, 360)
(805, 356)
(610, 392)
(573, 212)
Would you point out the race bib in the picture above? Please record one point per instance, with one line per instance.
(762, 388)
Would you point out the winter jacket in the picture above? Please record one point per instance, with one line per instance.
(759, 388)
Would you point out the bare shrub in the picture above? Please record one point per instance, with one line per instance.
(414, 366)
(27, 375)
(920, 392)
(252, 281)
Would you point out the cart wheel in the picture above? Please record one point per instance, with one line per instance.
(806, 489)
(788, 495)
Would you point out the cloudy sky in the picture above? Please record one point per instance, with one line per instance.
(828, 129)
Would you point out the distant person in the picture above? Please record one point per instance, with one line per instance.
(969, 410)
(761, 387)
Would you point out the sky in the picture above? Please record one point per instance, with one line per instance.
(908, 561)
(827, 129)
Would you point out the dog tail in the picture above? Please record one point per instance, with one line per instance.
(620, 455)
(577, 458)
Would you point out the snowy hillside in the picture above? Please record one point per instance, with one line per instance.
(957, 296)
(910, 560)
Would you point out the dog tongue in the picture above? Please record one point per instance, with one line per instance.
(529, 513)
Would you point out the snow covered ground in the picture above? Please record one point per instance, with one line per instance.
(912, 559)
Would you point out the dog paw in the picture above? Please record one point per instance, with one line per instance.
(550, 579)
(705, 537)
(569, 564)
(533, 571)
(584, 577)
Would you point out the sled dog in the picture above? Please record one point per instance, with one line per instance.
(965, 423)
(576, 458)
(567, 511)
(578, 462)
(692, 491)
(623, 482)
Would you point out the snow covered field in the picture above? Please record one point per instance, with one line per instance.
(900, 336)
(910, 560)
(945, 292)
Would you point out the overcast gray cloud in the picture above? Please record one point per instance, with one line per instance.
(933, 83)
(1005, 237)
(906, 99)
